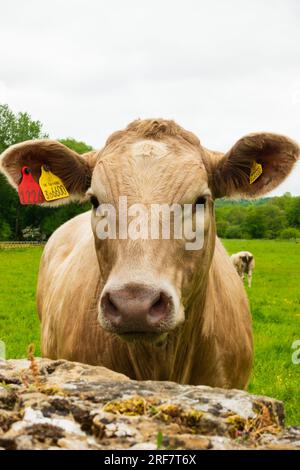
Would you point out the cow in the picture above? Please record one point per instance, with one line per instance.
(244, 263)
(150, 309)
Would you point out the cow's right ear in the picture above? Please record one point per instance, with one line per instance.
(74, 170)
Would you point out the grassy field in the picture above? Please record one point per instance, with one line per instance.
(274, 297)
(275, 306)
(19, 325)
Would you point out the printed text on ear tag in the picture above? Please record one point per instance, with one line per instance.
(29, 190)
(52, 186)
(256, 171)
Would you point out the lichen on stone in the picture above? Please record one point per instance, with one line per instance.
(48, 404)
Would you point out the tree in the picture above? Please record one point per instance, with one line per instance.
(294, 213)
(5, 230)
(234, 231)
(16, 128)
(77, 146)
(275, 219)
(290, 233)
(222, 226)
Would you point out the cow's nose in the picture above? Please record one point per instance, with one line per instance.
(135, 308)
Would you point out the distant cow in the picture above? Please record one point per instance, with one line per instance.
(244, 264)
(150, 309)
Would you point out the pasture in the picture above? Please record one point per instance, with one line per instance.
(274, 298)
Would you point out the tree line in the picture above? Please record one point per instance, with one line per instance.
(277, 217)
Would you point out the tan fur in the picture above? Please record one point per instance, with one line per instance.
(152, 161)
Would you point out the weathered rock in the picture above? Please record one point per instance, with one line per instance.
(48, 404)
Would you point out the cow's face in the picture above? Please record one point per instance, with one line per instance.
(149, 281)
(246, 259)
(150, 277)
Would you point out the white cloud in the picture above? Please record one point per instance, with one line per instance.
(220, 68)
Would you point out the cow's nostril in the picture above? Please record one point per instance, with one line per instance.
(158, 303)
(110, 309)
(160, 309)
(111, 305)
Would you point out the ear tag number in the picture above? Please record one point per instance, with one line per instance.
(256, 171)
(29, 190)
(52, 186)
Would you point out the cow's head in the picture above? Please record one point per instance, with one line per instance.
(246, 258)
(148, 283)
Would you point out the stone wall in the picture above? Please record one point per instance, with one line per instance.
(48, 404)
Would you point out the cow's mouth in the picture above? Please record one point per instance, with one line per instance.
(158, 339)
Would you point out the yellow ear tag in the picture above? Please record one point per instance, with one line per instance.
(256, 171)
(52, 186)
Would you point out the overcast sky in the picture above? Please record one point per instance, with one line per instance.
(221, 68)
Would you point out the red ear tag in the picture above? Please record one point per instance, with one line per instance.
(29, 190)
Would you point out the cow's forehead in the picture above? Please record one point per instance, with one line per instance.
(150, 169)
(149, 148)
(157, 149)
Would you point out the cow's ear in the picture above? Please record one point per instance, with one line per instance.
(74, 170)
(255, 165)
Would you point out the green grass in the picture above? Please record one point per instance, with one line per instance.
(274, 298)
(275, 306)
(19, 324)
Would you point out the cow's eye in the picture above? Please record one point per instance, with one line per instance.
(94, 201)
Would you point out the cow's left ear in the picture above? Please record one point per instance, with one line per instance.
(74, 170)
(238, 172)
